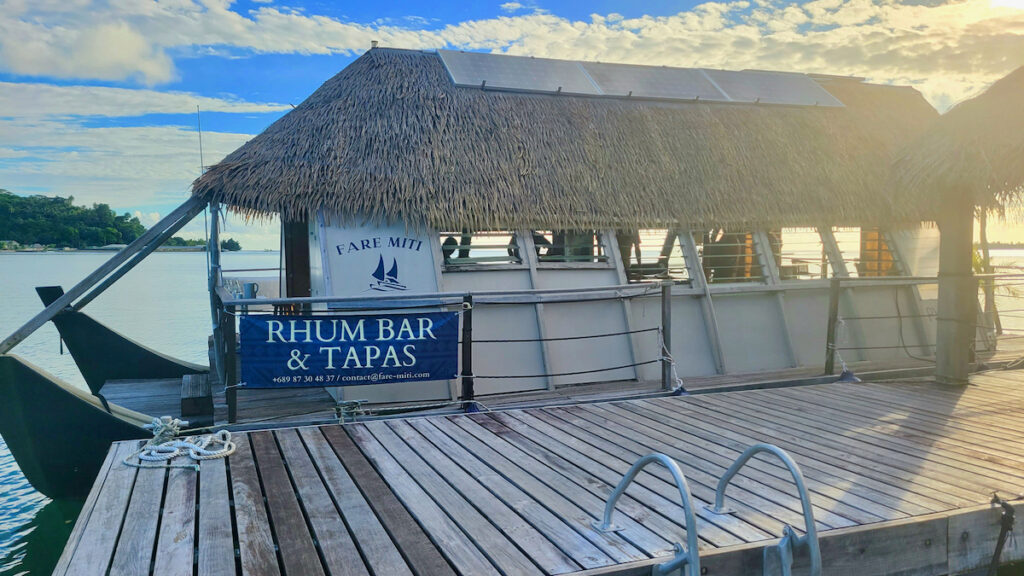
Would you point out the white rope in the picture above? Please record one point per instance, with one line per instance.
(164, 448)
(667, 355)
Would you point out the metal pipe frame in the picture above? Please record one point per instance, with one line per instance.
(690, 556)
(790, 540)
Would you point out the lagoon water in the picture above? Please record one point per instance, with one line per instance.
(163, 303)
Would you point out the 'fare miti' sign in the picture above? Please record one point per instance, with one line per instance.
(376, 260)
(285, 351)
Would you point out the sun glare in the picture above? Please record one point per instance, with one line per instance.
(1016, 4)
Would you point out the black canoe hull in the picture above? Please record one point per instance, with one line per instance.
(103, 354)
(58, 438)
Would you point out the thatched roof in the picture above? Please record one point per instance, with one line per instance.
(976, 148)
(391, 138)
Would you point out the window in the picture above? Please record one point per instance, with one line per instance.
(728, 256)
(462, 249)
(876, 259)
(652, 254)
(569, 246)
(865, 251)
(799, 254)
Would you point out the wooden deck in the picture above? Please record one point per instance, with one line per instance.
(900, 475)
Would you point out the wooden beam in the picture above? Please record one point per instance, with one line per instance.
(958, 295)
(296, 258)
(179, 217)
(925, 545)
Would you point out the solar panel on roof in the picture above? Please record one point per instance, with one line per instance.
(498, 71)
(517, 72)
(772, 88)
(653, 82)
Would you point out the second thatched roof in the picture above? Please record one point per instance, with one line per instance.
(977, 148)
(391, 138)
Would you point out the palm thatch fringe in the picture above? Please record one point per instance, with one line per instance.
(976, 148)
(391, 139)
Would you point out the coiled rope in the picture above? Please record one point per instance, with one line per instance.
(163, 448)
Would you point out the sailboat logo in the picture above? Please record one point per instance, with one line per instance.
(388, 281)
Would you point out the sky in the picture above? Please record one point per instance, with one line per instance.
(98, 98)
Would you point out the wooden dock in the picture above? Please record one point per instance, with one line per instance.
(900, 474)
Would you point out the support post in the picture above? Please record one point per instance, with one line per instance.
(466, 376)
(666, 335)
(230, 363)
(958, 292)
(833, 324)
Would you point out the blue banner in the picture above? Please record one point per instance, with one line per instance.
(290, 351)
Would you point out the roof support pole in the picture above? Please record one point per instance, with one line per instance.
(698, 281)
(958, 290)
(118, 266)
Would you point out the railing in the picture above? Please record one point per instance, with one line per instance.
(913, 321)
(791, 542)
(229, 306)
(689, 556)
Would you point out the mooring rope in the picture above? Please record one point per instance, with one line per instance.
(163, 448)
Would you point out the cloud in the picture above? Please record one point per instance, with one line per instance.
(36, 99)
(948, 49)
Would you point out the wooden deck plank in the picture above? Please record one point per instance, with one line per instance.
(514, 527)
(553, 527)
(655, 478)
(638, 499)
(256, 548)
(828, 491)
(774, 495)
(341, 557)
(96, 547)
(140, 524)
(902, 468)
(423, 556)
(460, 549)
(216, 542)
(381, 554)
(727, 442)
(851, 459)
(670, 520)
(995, 436)
(929, 466)
(501, 550)
(175, 548)
(939, 442)
(88, 507)
(817, 459)
(576, 506)
(295, 543)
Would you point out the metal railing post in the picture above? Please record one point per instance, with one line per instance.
(791, 541)
(666, 335)
(466, 376)
(230, 363)
(688, 556)
(833, 322)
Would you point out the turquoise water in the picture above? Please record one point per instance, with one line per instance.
(163, 303)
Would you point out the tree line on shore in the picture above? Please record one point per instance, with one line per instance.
(57, 222)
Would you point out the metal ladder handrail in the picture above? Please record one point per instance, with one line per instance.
(790, 541)
(690, 556)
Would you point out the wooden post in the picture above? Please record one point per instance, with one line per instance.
(466, 376)
(296, 258)
(666, 335)
(958, 295)
(230, 363)
(833, 324)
